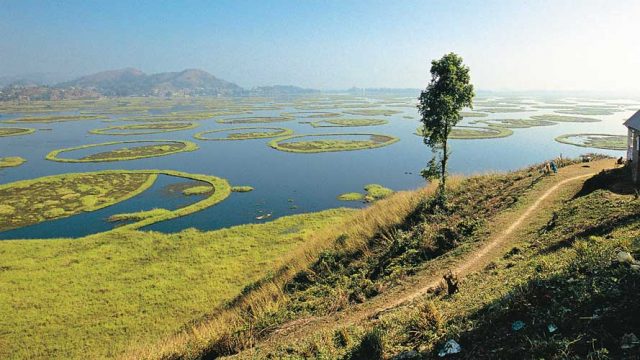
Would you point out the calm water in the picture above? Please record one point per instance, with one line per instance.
(285, 183)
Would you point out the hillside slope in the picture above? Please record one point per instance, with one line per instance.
(356, 279)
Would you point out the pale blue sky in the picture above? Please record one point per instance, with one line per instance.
(509, 45)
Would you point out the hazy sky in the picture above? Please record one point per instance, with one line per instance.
(509, 45)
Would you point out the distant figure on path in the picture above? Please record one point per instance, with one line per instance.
(554, 168)
(547, 168)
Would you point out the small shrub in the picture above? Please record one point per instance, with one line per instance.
(371, 347)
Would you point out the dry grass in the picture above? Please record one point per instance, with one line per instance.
(223, 326)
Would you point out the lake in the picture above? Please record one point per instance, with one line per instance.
(286, 183)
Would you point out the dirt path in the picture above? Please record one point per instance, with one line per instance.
(540, 199)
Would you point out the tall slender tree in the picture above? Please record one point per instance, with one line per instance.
(449, 91)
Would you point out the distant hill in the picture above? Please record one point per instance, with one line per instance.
(133, 82)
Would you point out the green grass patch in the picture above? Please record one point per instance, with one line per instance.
(156, 148)
(563, 118)
(598, 141)
(54, 118)
(497, 110)
(588, 111)
(241, 188)
(516, 123)
(472, 114)
(351, 196)
(256, 120)
(462, 132)
(372, 112)
(197, 190)
(245, 133)
(58, 196)
(11, 131)
(94, 297)
(348, 122)
(139, 215)
(143, 129)
(331, 144)
(11, 161)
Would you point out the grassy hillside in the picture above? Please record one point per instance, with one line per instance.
(558, 290)
(94, 297)
(371, 259)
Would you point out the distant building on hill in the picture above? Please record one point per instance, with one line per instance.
(633, 145)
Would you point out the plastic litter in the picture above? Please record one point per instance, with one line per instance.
(552, 328)
(625, 257)
(629, 341)
(449, 348)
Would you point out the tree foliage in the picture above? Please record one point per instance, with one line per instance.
(439, 105)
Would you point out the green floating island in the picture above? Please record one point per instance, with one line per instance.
(331, 142)
(241, 189)
(176, 116)
(32, 201)
(495, 110)
(197, 190)
(144, 129)
(598, 141)
(564, 118)
(588, 111)
(315, 114)
(476, 132)
(516, 123)
(348, 122)
(468, 114)
(11, 161)
(372, 112)
(245, 133)
(256, 120)
(153, 149)
(54, 118)
(12, 131)
(373, 192)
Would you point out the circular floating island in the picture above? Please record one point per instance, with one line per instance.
(348, 122)
(53, 118)
(598, 141)
(144, 129)
(11, 131)
(256, 120)
(315, 143)
(148, 148)
(244, 133)
(476, 132)
(59, 196)
(516, 123)
(11, 161)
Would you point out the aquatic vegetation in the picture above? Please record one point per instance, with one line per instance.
(11, 131)
(372, 112)
(11, 161)
(351, 196)
(53, 118)
(589, 111)
(59, 196)
(373, 192)
(516, 123)
(241, 188)
(501, 110)
(156, 148)
(468, 114)
(198, 190)
(137, 216)
(128, 287)
(348, 122)
(331, 143)
(143, 129)
(315, 114)
(564, 118)
(598, 141)
(461, 132)
(177, 116)
(245, 133)
(256, 120)
(376, 192)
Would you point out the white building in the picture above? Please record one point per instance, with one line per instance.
(633, 145)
